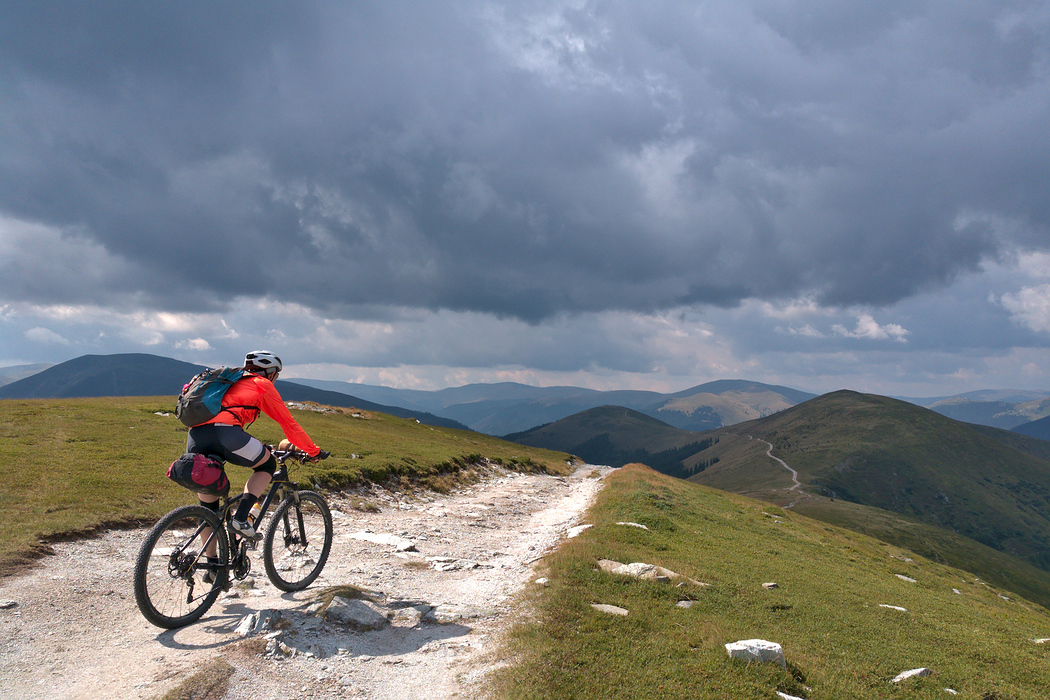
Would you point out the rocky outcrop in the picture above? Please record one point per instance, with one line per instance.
(758, 650)
(359, 614)
(645, 572)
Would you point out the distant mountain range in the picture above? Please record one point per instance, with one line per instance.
(16, 372)
(505, 408)
(151, 375)
(998, 409)
(508, 408)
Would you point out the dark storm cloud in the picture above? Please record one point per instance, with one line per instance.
(522, 160)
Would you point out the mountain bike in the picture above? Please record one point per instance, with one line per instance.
(176, 583)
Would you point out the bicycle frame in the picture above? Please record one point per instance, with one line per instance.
(172, 561)
(277, 490)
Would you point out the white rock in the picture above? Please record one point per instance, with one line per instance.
(612, 567)
(400, 544)
(639, 570)
(642, 527)
(449, 613)
(247, 626)
(542, 581)
(412, 615)
(646, 572)
(909, 579)
(685, 604)
(609, 609)
(258, 622)
(574, 531)
(770, 586)
(893, 607)
(1042, 640)
(785, 696)
(758, 650)
(914, 673)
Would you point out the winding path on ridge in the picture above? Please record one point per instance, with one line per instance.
(795, 483)
(72, 629)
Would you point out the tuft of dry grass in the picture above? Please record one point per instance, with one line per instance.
(348, 591)
(362, 504)
(418, 564)
(209, 683)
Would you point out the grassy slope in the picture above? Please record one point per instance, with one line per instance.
(838, 641)
(70, 465)
(893, 456)
(937, 544)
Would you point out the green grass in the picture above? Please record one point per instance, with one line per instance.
(69, 466)
(838, 642)
(955, 489)
(936, 544)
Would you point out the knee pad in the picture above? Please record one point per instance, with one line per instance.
(213, 506)
(269, 466)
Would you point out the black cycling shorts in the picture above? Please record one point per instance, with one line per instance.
(227, 441)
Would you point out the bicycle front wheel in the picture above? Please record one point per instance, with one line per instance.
(298, 541)
(174, 585)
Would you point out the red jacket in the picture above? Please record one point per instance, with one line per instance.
(260, 393)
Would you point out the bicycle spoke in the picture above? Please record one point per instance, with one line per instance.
(170, 572)
(298, 541)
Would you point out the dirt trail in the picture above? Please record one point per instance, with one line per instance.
(74, 630)
(795, 483)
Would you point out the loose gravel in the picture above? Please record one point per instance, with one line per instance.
(445, 571)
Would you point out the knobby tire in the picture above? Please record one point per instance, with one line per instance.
(291, 565)
(169, 587)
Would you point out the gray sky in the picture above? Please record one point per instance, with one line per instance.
(609, 194)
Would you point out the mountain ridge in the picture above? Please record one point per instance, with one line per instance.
(141, 374)
(508, 407)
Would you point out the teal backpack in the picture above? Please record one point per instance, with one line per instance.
(201, 398)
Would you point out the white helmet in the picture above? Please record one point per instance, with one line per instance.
(263, 360)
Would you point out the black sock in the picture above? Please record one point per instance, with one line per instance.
(245, 505)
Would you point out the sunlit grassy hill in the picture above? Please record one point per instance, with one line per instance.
(890, 468)
(71, 465)
(827, 610)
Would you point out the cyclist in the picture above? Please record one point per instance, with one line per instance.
(224, 435)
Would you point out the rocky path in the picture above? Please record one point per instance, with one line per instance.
(440, 571)
(795, 483)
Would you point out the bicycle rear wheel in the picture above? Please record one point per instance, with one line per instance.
(298, 541)
(170, 589)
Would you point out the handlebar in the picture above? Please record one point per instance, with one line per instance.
(297, 455)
